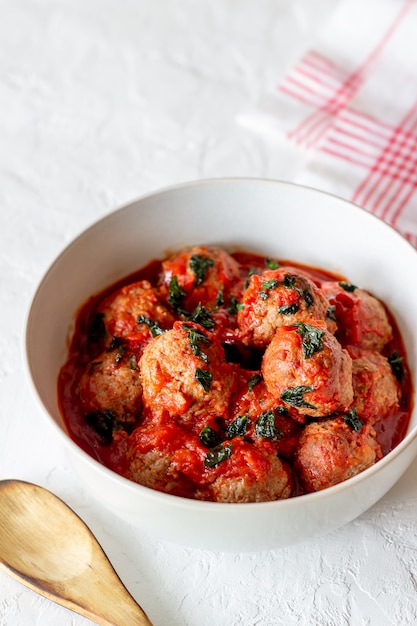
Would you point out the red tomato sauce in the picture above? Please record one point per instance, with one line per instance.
(167, 434)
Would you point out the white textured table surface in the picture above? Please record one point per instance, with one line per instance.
(102, 101)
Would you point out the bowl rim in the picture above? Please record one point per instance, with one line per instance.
(149, 493)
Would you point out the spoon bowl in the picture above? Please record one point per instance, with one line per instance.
(48, 548)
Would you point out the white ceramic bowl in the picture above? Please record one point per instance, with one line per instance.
(271, 218)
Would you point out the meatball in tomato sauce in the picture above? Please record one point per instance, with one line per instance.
(204, 275)
(184, 373)
(361, 319)
(110, 388)
(134, 312)
(252, 474)
(331, 451)
(278, 298)
(306, 368)
(375, 388)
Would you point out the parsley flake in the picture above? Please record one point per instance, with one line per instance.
(271, 263)
(308, 298)
(220, 298)
(235, 305)
(269, 284)
(218, 455)
(288, 309)
(294, 396)
(96, 327)
(347, 286)
(396, 362)
(238, 427)
(196, 338)
(102, 422)
(331, 313)
(199, 265)
(254, 380)
(176, 294)
(289, 281)
(201, 316)
(265, 426)
(204, 377)
(352, 420)
(311, 338)
(209, 437)
(153, 326)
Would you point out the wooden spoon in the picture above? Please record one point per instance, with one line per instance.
(48, 548)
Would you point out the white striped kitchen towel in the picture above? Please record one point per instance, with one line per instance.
(350, 104)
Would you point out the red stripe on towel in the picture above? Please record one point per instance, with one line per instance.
(314, 88)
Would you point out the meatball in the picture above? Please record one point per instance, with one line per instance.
(331, 451)
(184, 373)
(361, 319)
(250, 475)
(278, 298)
(306, 368)
(203, 275)
(375, 388)
(134, 309)
(110, 389)
(159, 453)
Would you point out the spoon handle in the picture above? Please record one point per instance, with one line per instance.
(122, 611)
(48, 548)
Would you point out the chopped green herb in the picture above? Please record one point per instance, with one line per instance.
(289, 281)
(119, 354)
(353, 420)
(204, 377)
(348, 286)
(331, 313)
(209, 437)
(132, 362)
(266, 286)
(153, 326)
(220, 299)
(396, 362)
(269, 284)
(202, 316)
(218, 455)
(176, 294)
(281, 410)
(102, 422)
(265, 426)
(199, 265)
(238, 427)
(254, 380)
(295, 396)
(288, 309)
(251, 272)
(116, 342)
(312, 338)
(235, 305)
(96, 327)
(117, 345)
(308, 298)
(196, 338)
(271, 263)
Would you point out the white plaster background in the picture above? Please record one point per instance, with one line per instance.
(102, 101)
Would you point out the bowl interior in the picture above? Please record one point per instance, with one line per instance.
(274, 219)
